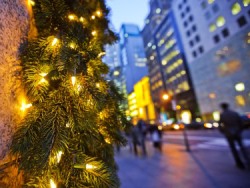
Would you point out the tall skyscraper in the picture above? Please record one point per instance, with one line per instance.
(216, 42)
(167, 64)
(132, 56)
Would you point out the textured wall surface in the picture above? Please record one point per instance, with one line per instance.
(14, 27)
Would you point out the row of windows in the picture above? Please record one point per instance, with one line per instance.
(199, 51)
(215, 9)
(220, 21)
(194, 41)
(187, 10)
(225, 32)
(191, 30)
(205, 3)
(180, 5)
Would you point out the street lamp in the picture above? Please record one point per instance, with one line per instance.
(176, 107)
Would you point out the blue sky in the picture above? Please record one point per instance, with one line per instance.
(128, 11)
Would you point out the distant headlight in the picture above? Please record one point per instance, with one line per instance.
(208, 125)
(176, 127)
(216, 124)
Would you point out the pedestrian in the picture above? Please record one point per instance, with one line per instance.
(156, 136)
(231, 126)
(141, 135)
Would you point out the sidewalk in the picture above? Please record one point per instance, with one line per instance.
(176, 168)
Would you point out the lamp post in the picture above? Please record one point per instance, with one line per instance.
(176, 108)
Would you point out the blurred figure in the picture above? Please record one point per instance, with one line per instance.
(231, 126)
(156, 136)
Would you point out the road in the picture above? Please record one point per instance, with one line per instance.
(209, 164)
(202, 139)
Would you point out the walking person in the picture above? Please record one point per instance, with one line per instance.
(156, 137)
(142, 132)
(231, 126)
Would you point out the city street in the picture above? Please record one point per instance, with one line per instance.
(209, 164)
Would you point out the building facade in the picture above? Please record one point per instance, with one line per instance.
(215, 35)
(132, 56)
(167, 64)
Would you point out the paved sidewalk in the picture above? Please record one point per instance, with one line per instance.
(176, 168)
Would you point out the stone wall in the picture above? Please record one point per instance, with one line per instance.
(14, 29)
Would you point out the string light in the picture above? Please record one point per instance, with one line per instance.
(55, 40)
(32, 3)
(59, 156)
(72, 45)
(101, 54)
(73, 79)
(97, 85)
(43, 80)
(72, 17)
(52, 184)
(107, 140)
(25, 106)
(99, 13)
(81, 19)
(90, 166)
(93, 17)
(94, 33)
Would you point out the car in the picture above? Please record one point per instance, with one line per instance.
(246, 120)
(172, 126)
(195, 125)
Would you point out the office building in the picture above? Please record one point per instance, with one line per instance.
(167, 64)
(215, 37)
(132, 56)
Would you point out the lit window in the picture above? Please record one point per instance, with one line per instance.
(210, 1)
(212, 27)
(158, 11)
(236, 8)
(220, 21)
(240, 100)
(246, 3)
(240, 87)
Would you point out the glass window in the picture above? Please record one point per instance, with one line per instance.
(215, 8)
(212, 27)
(197, 38)
(210, 1)
(246, 3)
(216, 39)
(236, 8)
(220, 21)
(188, 33)
(185, 24)
(201, 50)
(194, 28)
(204, 4)
(191, 43)
(225, 32)
(242, 21)
(180, 6)
(187, 9)
(240, 100)
(194, 54)
(191, 18)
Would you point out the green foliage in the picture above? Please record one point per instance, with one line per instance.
(79, 121)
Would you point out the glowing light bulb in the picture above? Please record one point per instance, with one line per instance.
(59, 156)
(71, 16)
(90, 166)
(97, 85)
(93, 17)
(94, 33)
(55, 40)
(52, 184)
(73, 79)
(81, 19)
(99, 13)
(72, 45)
(101, 54)
(32, 3)
(25, 106)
